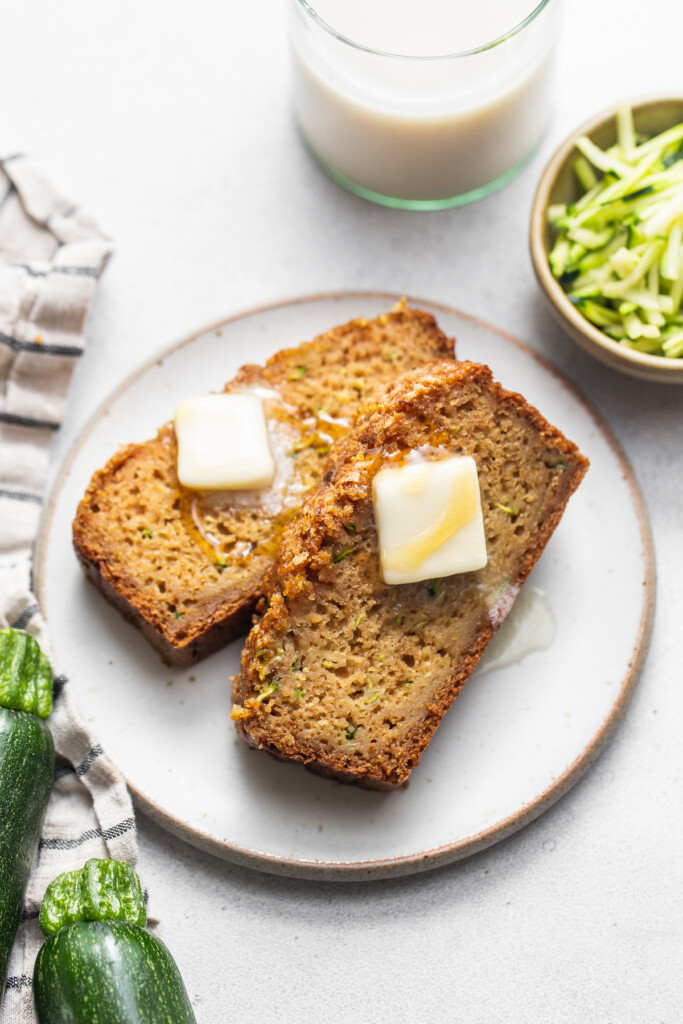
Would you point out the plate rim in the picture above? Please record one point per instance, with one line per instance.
(438, 856)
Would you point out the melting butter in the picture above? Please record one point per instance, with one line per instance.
(223, 443)
(416, 483)
(335, 421)
(429, 520)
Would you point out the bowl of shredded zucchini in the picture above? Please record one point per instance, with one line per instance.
(607, 238)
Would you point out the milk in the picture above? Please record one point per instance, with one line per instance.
(422, 131)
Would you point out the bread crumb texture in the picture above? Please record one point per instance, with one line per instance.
(349, 675)
(187, 567)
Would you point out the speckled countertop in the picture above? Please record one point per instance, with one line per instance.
(172, 123)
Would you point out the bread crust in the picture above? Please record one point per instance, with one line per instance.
(399, 419)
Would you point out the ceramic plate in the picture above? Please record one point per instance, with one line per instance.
(514, 742)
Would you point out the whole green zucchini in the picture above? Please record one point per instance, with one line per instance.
(26, 769)
(98, 964)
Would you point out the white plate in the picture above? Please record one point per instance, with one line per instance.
(515, 740)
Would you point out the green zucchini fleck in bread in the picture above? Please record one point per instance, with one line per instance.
(349, 675)
(187, 568)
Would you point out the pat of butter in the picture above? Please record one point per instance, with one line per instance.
(223, 443)
(429, 520)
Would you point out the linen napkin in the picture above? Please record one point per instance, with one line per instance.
(51, 256)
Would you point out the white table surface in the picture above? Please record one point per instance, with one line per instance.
(171, 122)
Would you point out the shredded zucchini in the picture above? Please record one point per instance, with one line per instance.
(619, 248)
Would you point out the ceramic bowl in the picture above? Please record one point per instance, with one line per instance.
(558, 185)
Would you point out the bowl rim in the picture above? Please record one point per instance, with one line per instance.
(637, 362)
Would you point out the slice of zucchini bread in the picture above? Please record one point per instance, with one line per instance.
(352, 676)
(187, 567)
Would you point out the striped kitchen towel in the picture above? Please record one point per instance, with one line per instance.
(51, 256)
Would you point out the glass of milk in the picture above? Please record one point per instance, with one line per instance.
(422, 104)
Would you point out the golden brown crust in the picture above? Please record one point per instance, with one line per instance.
(136, 534)
(310, 581)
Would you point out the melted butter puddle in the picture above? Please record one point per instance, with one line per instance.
(320, 431)
(529, 627)
(194, 525)
(212, 545)
(335, 421)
